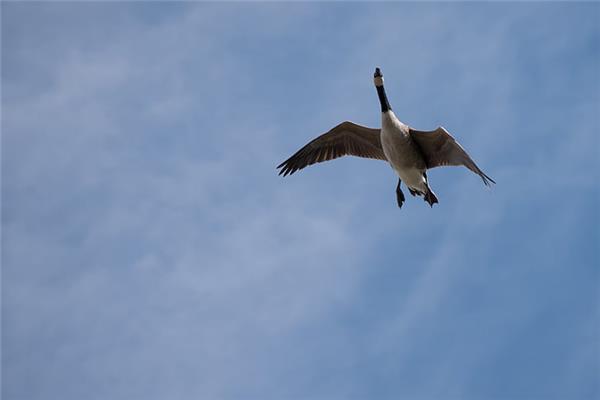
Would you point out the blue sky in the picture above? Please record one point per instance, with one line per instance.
(150, 251)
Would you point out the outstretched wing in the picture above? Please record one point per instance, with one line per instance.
(439, 149)
(347, 138)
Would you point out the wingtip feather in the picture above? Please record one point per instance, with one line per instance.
(487, 180)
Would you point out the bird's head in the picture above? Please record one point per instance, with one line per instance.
(378, 77)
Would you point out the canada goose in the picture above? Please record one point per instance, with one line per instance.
(410, 152)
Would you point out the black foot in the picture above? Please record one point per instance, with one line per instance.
(399, 194)
(430, 198)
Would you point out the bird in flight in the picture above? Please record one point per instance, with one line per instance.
(408, 151)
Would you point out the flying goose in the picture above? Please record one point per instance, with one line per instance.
(410, 152)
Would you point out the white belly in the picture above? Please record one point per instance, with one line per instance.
(402, 156)
(412, 178)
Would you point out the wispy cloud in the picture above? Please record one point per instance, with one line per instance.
(150, 250)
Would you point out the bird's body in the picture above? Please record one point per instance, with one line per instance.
(409, 152)
(402, 153)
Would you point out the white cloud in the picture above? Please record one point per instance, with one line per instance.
(151, 249)
(164, 264)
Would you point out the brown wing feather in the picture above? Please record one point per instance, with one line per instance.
(440, 149)
(346, 138)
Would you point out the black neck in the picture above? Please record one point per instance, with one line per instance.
(385, 105)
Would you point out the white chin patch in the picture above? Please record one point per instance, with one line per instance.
(378, 80)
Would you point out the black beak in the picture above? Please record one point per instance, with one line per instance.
(377, 73)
